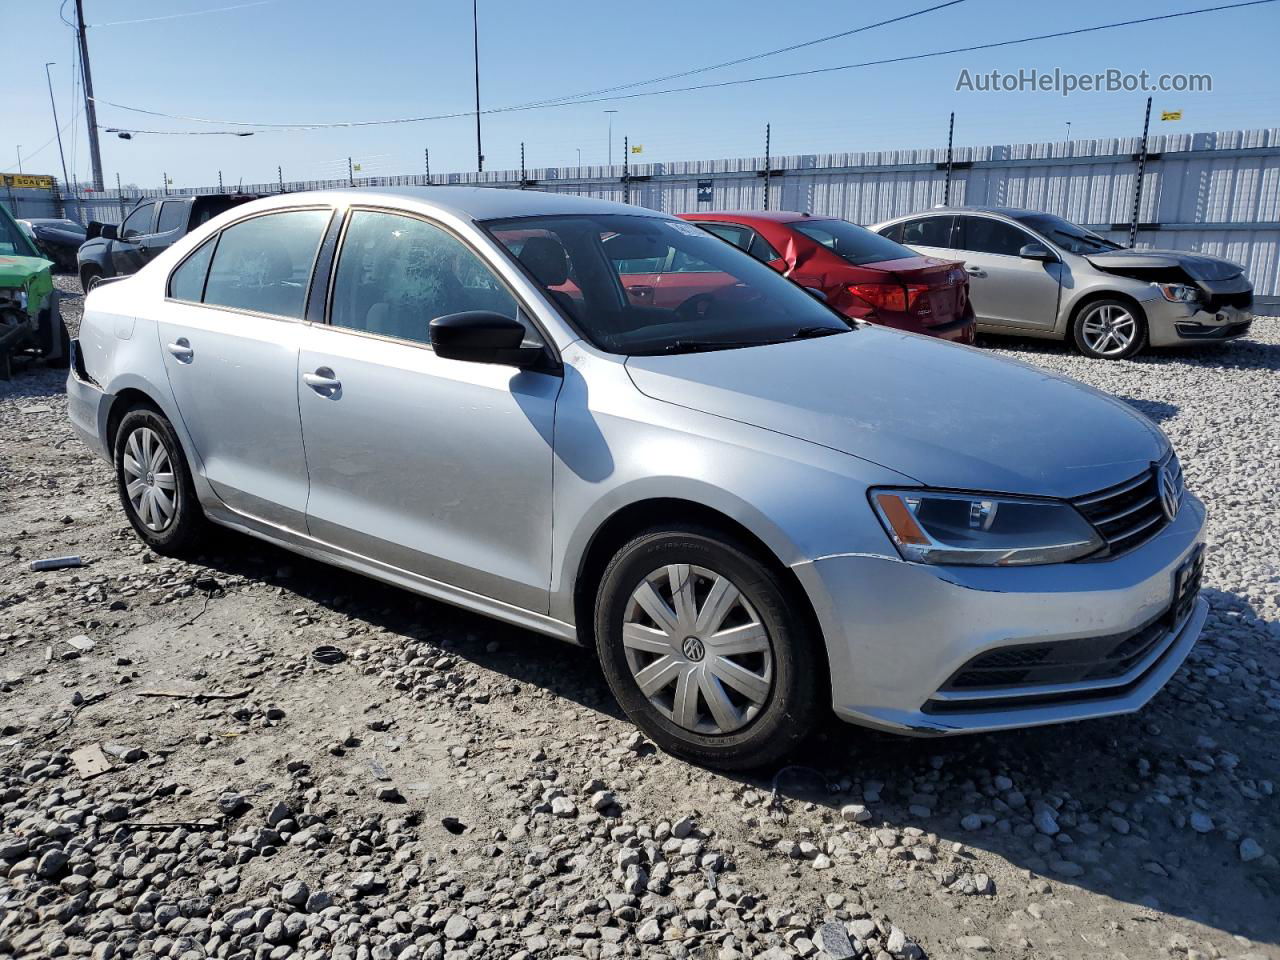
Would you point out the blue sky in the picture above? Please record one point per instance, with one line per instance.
(290, 61)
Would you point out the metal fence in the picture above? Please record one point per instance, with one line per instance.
(1214, 193)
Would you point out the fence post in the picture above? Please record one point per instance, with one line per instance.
(426, 154)
(120, 196)
(280, 177)
(523, 176)
(626, 170)
(946, 190)
(350, 174)
(1137, 186)
(766, 166)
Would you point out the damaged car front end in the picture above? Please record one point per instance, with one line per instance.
(30, 318)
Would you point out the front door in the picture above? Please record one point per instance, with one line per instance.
(126, 250)
(438, 467)
(1006, 290)
(230, 338)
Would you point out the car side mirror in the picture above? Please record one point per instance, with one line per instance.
(481, 336)
(108, 231)
(1037, 251)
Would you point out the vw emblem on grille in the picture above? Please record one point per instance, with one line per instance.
(693, 649)
(1168, 490)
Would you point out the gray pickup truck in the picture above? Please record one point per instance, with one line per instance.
(149, 229)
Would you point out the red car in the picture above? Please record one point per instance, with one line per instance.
(861, 274)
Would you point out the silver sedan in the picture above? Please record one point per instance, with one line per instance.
(1036, 275)
(606, 425)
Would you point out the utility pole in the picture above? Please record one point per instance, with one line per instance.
(946, 190)
(90, 105)
(19, 158)
(475, 50)
(579, 156)
(766, 166)
(610, 113)
(56, 129)
(120, 193)
(1137, 186)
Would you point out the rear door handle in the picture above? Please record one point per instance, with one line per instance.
(323, 382)
(975, 271)
(181, 350)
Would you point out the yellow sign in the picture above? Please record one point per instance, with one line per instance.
(355, 166)
(29, 181)
(1171, 115)
(637, 148)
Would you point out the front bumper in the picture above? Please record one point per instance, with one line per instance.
(898, 633)
(1175, 324)
(88, 405)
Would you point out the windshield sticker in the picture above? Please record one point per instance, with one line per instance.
(688, 229)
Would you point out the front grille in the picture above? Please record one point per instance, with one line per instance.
(1242, 300)
(1129, 514)
(1212, 331)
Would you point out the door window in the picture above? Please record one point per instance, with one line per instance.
(926, 232)
(173, 214)
(138, 223)
(264, 264)
(744, 238)
(187, 282)
(396, 274)
(985, 235)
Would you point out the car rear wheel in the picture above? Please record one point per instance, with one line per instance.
(1109, 329)
(89, 277)
(705, 650)
(155, 485)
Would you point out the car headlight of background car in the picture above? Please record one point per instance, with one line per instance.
(983, 529)
(1179, 292)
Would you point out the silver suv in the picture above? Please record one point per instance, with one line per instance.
(751, 508)
(1034, 274)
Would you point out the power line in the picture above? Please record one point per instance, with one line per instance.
(275, 127)
(178, 16)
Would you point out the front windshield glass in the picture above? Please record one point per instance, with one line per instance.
(1067, 235)
(853, 243)
(640, 285)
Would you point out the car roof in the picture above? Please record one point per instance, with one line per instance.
(739, 216)
(1011, 212)
(474, 203)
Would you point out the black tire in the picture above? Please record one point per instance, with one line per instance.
(1095, 310)
(55, 344)
(89, 275)
(786, 716)
(182, 534)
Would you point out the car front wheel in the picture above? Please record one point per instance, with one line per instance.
(705, 649)
(155, 485)
(1109, 330)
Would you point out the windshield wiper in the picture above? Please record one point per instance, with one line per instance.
(809, 333)
(698, 346)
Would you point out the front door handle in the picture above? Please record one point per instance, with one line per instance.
(323, 382)
(181, 350)
(975, 271)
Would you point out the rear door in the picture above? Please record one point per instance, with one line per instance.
(1006, 289)
(230, 337)
(171, 225)
(930, 235)
(438, 467)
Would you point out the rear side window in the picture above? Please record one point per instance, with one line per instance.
(926, 232)
(264, 264)
(187, 282)
(173, 214)
(396, 274)
(984, 235)
(851, 242)
(744, 238)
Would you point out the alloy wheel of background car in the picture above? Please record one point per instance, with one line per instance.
(89, 277)
(697, 649)
(1110, 330)
(704, 646)
(155, 485)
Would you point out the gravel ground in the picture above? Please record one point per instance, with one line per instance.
(458, 788)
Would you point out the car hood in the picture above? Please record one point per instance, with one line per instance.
(1196, 266)
(944, 415)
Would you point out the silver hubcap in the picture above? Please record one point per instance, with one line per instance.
(149, 480)
(697, 649)
(1109, 329)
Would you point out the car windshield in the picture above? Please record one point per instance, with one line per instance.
(1067, 235)
(13, 241)
(639, 285)
(850, 242)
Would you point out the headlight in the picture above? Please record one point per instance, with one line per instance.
(1179, 292)
(983, 529)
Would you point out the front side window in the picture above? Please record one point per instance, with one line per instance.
(187, 282)
(707, 295)
(1069, 236)
(138, 223)
(926, 232)
(13, 241)
(744, 238)
(850, 242)
(264, 264)
(396, 274)
(173, 214)
(985, 235)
